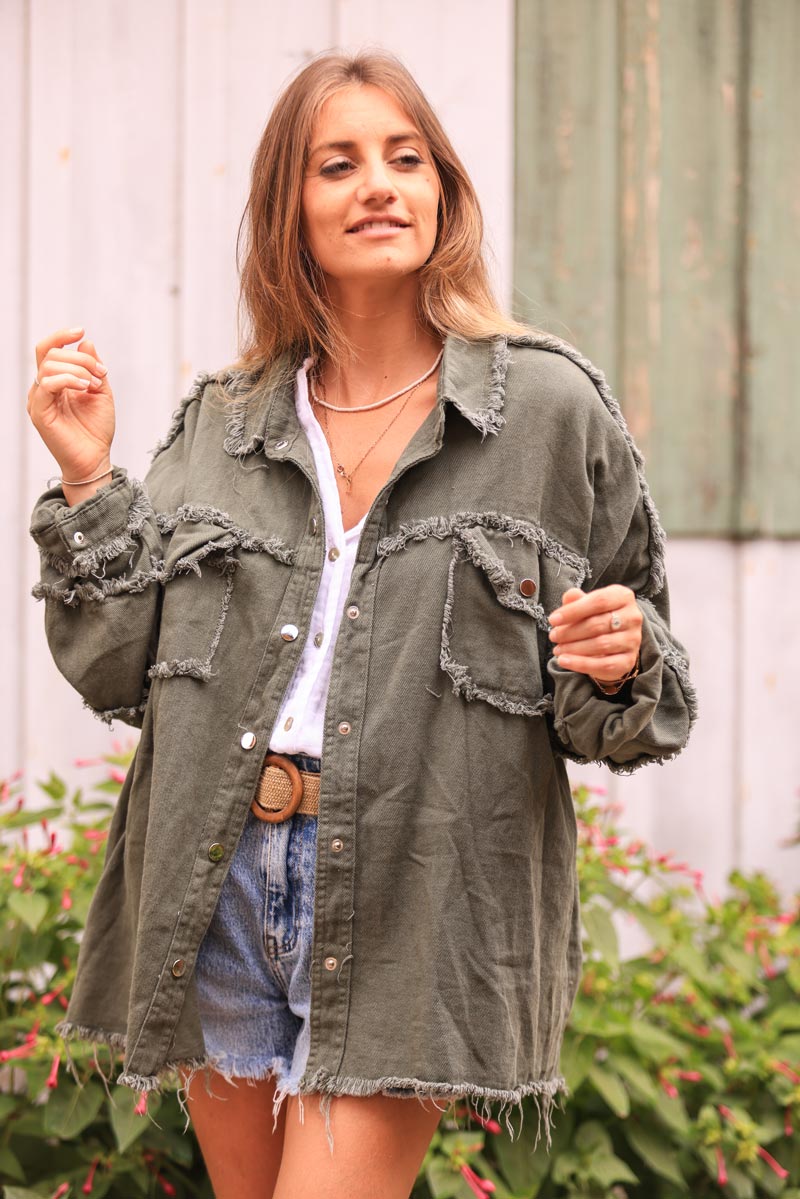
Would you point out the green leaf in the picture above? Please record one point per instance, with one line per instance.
(611, 1087)
(659, 1155)
(607, 1169)
(654, 1043)
(601, 932)
(20, 1193)
(10, 1164)
(786, 1016)
(637, 1078)
(71, 1108)
(127, 1125)
(55, 787)
(29, 906)
(445, 1182)
(659, 932)
(577, 1055)
(592, 1138)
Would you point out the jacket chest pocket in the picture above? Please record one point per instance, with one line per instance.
(199, 572)
(500, 592)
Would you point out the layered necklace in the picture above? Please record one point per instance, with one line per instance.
(325, 405)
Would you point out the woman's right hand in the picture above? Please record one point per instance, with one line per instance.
(72, 406)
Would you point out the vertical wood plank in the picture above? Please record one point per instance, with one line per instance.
(103, 214)
(565, 226)
(769, 495)
(19, 371)
(679, 236)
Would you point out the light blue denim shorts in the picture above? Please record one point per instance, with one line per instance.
(253, 969)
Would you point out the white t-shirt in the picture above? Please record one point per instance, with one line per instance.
(298, 728)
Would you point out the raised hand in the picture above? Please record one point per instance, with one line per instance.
(72, 406)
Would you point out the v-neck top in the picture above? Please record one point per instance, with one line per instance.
(299, 725)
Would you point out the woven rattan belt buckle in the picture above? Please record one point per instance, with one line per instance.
(279, 815)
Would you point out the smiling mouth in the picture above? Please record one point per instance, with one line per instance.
(381, 225)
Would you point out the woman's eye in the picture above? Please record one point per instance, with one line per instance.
(339, 168)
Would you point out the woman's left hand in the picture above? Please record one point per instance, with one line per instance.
(583, 638)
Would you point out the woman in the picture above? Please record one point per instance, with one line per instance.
(365, 542)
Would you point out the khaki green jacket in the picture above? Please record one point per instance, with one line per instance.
(452, 912)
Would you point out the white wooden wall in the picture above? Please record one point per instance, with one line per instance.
(129, 131)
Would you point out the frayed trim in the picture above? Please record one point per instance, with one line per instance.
(488, 418)
(196, 668)
(246, 540)
(463, 682)
(443, 527)
(548, 341)
(89, 561)
(196, 390)
(99, 592)
(328, 1085)
(133, 715)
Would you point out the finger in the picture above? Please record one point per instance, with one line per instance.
(612, 667)
(604, 599)
(600, 647)
(62, 337)
(52, 370)
(89, 360)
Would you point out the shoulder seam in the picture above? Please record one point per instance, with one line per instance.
(657, 541)
(179, 415)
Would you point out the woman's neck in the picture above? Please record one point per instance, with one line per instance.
(392, 348)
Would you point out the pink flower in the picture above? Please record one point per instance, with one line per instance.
(141, 1106)
(727, 1041)
(786, 1069)
(87, 762)
(34, 1031)
(166, 1186)
(690, 1075)
(773, 1165)
(669, 1087)
(87, 1186)
(62, 1190)
(20, 1051)
(17, 879)
(788, 1131)
(479, 1186)
(66, 900)
(51, 995)
(52, 1077)
(117, 776)
(722, 1173)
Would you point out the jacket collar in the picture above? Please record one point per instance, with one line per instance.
(472, 378)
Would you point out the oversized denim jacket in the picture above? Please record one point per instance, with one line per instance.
(446, 939)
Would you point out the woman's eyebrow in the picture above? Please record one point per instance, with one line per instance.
(349, 145)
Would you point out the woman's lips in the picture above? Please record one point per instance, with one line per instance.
(378, 230)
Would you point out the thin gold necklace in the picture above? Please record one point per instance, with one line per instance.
(340, 470)
(378, 403)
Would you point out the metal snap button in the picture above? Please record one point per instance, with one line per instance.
(333, 553)
(344, 727)
(313, 524)
(288, 722)
(216, 852)
(331, 963)
(178, 967)
(353, 611)
(319, 638)
(337, 845)
(78, 537)
(289, 632)
(281, 445)
(527, 586)
(248, 740)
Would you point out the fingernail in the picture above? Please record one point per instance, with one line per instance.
(555, 618)
(101, 367)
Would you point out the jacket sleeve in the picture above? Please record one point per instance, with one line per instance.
(650, 718)
(102, 574)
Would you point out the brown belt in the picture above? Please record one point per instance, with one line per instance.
(284, 789)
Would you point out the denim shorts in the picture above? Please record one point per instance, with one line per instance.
(253, 969)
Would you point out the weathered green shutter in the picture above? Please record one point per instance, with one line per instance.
(657, 227)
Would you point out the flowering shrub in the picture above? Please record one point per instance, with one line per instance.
(683, 1062)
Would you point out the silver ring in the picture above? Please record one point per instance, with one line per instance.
(615, 620)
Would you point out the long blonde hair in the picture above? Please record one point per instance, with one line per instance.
(282, 289)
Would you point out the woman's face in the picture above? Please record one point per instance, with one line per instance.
(384, 172)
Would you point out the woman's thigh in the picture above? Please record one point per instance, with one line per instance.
(379, 1144)
(234, 1128)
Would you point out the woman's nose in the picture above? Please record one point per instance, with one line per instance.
(376, 180)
